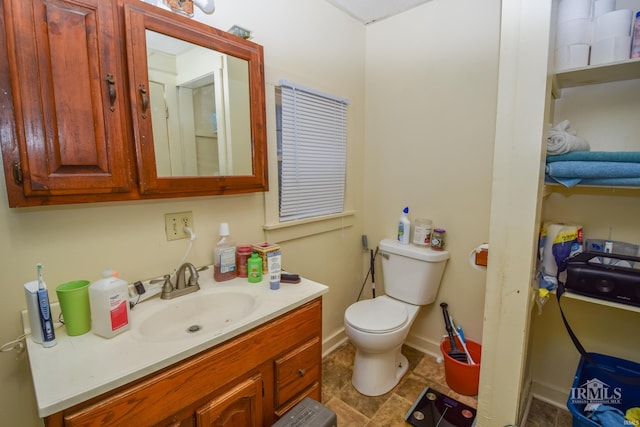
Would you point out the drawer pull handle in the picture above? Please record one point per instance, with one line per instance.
(301, 372)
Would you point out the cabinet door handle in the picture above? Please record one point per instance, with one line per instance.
(111, 81)
(145, 100)
(301, 372)
(17, 173)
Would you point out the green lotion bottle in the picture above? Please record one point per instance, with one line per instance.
(254, 267)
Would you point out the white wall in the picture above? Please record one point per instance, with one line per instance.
(431, 101)
(307, 41)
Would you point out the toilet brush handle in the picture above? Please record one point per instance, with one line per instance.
(447, 323)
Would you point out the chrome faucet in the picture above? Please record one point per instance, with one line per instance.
(186, 282)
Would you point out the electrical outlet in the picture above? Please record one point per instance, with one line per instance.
(174, 224)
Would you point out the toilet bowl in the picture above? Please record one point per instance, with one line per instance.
(378, 327)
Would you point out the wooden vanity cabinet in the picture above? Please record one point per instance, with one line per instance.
(69, 107)
(251, 380)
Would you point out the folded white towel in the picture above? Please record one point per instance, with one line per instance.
(561, 140)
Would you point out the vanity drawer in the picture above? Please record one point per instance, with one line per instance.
(297, 370)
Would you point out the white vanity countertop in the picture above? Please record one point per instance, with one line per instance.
(80, 367)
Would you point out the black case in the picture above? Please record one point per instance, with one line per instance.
(604, 281)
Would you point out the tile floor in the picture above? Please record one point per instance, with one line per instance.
(355, 410)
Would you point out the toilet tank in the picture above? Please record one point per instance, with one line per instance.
(411, 273)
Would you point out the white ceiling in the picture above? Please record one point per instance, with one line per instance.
(369, 11)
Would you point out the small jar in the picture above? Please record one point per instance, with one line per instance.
(242, 257)
(438, 239)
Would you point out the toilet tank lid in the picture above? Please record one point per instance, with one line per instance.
(410, 250)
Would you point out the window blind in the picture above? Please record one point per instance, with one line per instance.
(312, 146)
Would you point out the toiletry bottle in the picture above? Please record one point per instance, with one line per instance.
(109, 304)
(46, 322)
(404, 227)
(255, 268)
(243, 253)
(224, 257)
(635, 31)
(274, 266)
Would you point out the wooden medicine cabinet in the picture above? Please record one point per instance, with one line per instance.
(122, 100)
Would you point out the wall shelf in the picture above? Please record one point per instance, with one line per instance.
(571, 295)
(550, 188)
(594, 74)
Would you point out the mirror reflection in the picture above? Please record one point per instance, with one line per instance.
(200, 109)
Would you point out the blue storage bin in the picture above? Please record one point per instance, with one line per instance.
(591, 385)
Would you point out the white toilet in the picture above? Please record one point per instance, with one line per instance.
(378, 327)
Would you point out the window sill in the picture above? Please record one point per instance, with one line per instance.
(290, 230)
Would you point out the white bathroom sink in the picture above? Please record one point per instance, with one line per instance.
(193, 314)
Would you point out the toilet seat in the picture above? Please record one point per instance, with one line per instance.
(376, 316)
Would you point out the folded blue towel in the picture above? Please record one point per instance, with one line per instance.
(605, 182)
(582, 169)
(597, 156)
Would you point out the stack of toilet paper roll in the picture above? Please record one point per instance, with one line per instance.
(591, 33)
(611, 36)
(573, 33)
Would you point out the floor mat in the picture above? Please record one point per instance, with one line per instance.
(434, 409)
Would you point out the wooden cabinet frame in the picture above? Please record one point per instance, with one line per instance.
(70, 130)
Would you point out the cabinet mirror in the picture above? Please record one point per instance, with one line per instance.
(197, 98)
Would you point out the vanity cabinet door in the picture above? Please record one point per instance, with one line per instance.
(239, 406)
(68, 100)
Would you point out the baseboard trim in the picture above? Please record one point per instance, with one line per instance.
(339, 337)
(426, 346)
(334, 341)
(550, 394)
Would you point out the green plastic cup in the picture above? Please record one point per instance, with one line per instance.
(74, 303)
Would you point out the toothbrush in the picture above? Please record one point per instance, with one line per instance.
(41, 284)
(48, 335)
(457, 331)
(464, 344)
